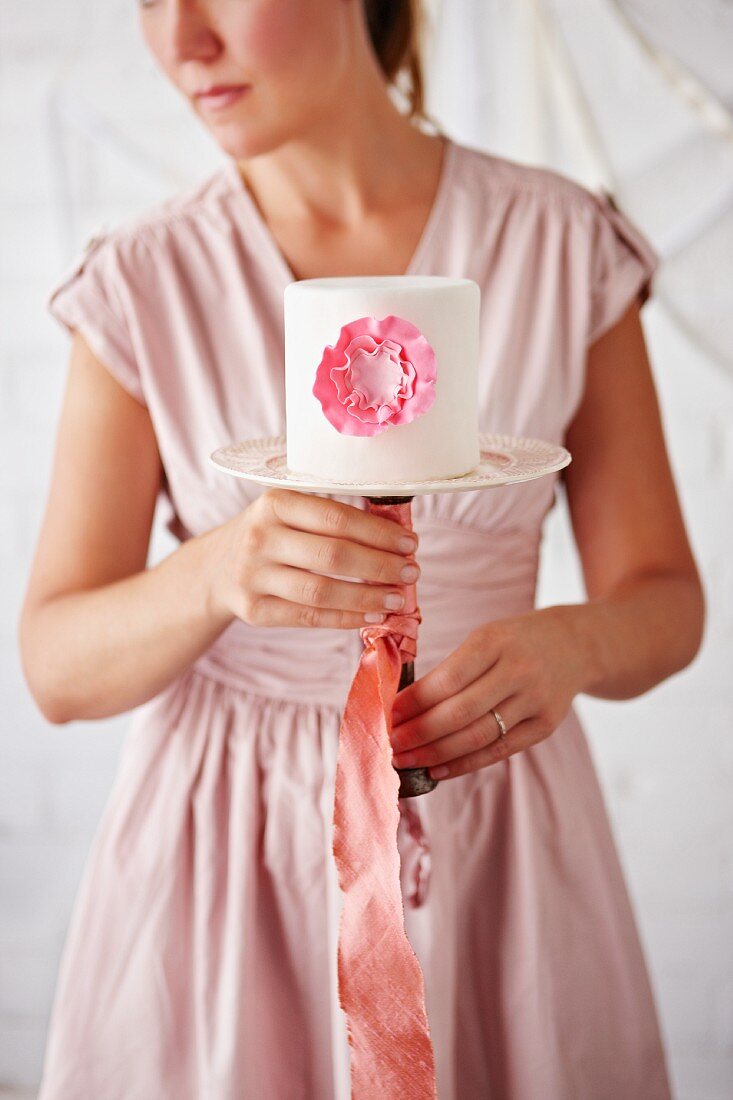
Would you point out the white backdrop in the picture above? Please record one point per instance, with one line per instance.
(94, 135)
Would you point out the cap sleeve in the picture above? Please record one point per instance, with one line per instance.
(623, 264)
(88, 298)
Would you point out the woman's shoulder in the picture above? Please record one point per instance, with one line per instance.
(164, 222)
(134, 251)
(145, 256)
(534, 196)
(488, 172)
(595, 243)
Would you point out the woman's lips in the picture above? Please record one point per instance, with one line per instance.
(221, 96)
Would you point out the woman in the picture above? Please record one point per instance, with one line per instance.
(200, 962)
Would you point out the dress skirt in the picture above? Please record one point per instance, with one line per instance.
(201, 959)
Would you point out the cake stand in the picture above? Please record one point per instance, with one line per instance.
(504, 460)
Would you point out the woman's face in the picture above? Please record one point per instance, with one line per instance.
(283, 62)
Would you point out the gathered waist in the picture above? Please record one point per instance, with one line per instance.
(283, 662)
(316, 666)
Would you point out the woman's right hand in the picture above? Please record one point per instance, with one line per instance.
(274, 554)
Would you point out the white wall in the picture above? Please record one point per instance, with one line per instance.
(665, 759)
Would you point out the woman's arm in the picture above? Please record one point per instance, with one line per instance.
(100, 634)
(645, 611)
(644, 618)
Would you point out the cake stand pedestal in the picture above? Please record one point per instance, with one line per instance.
(413, 781)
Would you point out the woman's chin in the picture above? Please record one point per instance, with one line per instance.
(238, 139)
(230, 138)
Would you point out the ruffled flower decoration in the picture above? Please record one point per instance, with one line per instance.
(378, 373)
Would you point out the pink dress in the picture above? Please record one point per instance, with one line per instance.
(201, 959)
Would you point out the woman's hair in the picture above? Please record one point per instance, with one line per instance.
(395, 28)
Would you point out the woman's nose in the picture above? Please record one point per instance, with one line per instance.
(190, 33)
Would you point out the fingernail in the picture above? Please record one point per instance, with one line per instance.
(374, 617)
(407, 545)
(410, 573)
(439, 772)
(394, 601)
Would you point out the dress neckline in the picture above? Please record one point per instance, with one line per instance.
(272, 249)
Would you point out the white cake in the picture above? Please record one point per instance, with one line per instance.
(391, 397)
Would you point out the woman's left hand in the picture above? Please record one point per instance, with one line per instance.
(528, 668)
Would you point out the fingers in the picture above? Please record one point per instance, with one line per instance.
(315, 590)
(307, 512)
(297, 545)
(473, 738)
(520, 737)
(273, 611)
(447, 680)
(449, 714)
(338, 556)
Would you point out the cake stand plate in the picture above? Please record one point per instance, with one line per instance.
(504, 459)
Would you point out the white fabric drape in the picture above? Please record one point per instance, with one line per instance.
(630, 96)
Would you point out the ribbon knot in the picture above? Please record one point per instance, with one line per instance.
(401, 627)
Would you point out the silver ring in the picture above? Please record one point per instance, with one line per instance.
(500, 723)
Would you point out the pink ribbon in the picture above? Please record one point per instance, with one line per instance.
(381, 987)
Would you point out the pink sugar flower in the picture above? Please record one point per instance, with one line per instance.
(378, 373)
